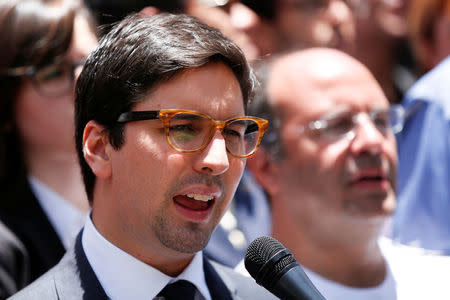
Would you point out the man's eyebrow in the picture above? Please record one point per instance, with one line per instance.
(335, 112)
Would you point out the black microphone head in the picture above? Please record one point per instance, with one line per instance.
(266, 260)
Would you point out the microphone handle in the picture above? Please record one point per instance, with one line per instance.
(295, 285)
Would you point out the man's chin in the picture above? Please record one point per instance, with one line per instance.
(186, 240)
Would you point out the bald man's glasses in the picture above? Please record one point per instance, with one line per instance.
(191, 131)
(343, 124)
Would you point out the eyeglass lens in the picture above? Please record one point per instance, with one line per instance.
(190, 132)
(55, 79)
(384, 120)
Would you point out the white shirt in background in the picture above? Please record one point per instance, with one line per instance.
(413, 274)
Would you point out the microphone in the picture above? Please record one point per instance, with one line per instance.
(274, 267)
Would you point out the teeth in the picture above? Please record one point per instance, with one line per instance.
(199, 197)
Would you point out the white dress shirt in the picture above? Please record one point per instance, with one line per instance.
(122, 276)
(66, 219)
(413, 274)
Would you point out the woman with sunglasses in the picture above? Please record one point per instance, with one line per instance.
(43, 45)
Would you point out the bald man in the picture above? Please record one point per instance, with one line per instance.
(329, 168)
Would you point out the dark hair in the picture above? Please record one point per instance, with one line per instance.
(263, 8)
(135, 56)
(33, 33)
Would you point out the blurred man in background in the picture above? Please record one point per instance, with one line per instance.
(328, 165)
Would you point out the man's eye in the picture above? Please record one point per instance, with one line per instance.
(381, 121)
(182, 128)
(50, 73)
(184, 132)
(339, 126)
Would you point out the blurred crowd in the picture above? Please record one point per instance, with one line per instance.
(314, 60)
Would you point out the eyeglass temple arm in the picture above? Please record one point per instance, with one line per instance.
(19, 71)
(138, 116)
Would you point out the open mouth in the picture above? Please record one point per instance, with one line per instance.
(196, 202)
(371, 181)
(376, 178)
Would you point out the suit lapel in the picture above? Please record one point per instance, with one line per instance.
(79, 281)
(217, 287)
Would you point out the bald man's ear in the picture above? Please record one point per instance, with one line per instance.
(96, 149)
(263, 169)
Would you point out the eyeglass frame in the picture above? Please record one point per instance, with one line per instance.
(166, 114)
(321, 124)
(31, 72)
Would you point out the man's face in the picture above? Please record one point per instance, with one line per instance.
(47, 106)
(386, 17)
(154, 186)
(316, 23)
(343, 179)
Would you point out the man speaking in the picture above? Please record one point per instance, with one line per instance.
(162, 139)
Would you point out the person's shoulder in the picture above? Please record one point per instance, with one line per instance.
(41, 288)
(45, 287)
(14, 263)
(246, 287)
(10, 245)
(433, 86)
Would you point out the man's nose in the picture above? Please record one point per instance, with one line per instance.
(367, 137)
(214, 158)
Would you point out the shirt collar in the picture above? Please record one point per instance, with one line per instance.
(122, 276)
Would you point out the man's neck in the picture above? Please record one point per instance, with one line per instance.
(352, 258)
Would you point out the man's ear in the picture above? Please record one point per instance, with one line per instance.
(96, 148)
(263, 169)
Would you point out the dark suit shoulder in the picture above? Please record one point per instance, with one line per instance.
(245, 287)
(21, 212)
(14, 263)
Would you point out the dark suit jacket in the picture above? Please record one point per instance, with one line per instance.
(21, 212)
(73, 278)
(14, 263)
